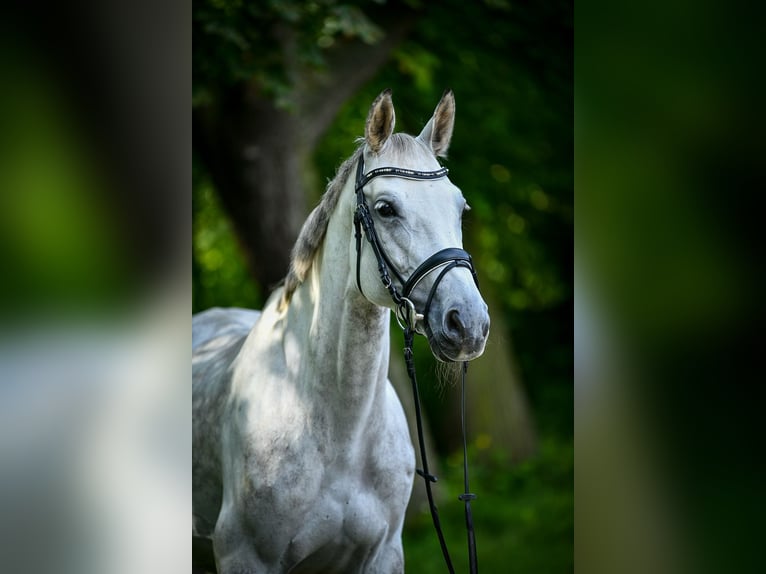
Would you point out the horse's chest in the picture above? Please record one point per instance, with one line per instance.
(338, 509)
(348, 524)
(322, 495)
(343, 516)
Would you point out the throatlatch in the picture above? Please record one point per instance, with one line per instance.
(407, 317)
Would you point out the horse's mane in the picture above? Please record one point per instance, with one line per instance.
(314, 229)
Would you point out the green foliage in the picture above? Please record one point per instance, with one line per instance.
(219, 267)
(261, 42)
(523, 515)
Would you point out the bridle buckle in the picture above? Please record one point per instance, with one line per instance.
(406, 315)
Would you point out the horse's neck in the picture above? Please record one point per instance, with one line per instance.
(345, 337)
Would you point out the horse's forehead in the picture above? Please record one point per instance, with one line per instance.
(406, 152)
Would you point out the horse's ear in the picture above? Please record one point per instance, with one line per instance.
(380, 121)
(438, 131)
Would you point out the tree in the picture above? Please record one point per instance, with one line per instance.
(269, 79)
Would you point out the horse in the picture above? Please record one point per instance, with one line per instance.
(302, 460)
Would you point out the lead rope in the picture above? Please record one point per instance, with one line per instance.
(428, 478)
(467, 496)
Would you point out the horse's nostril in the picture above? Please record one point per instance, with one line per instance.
(454, 324)
(485, 330)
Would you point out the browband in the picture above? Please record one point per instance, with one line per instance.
(395, 172)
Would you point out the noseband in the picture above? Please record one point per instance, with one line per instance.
(408, 317)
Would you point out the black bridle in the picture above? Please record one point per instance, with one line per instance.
(407, 317)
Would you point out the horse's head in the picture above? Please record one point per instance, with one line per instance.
(416, 214)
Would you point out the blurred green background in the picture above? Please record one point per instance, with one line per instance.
(265, 77)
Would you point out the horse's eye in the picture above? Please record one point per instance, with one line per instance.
(385, 209)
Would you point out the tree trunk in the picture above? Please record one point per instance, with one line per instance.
(256, 160)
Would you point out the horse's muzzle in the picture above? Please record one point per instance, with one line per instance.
(461, 333)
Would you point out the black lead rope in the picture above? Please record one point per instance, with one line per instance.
(428, 478)
(406, 315)
(467, 495)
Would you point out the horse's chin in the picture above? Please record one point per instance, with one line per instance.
(447, 353)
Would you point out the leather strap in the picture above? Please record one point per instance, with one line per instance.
(396, 172)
